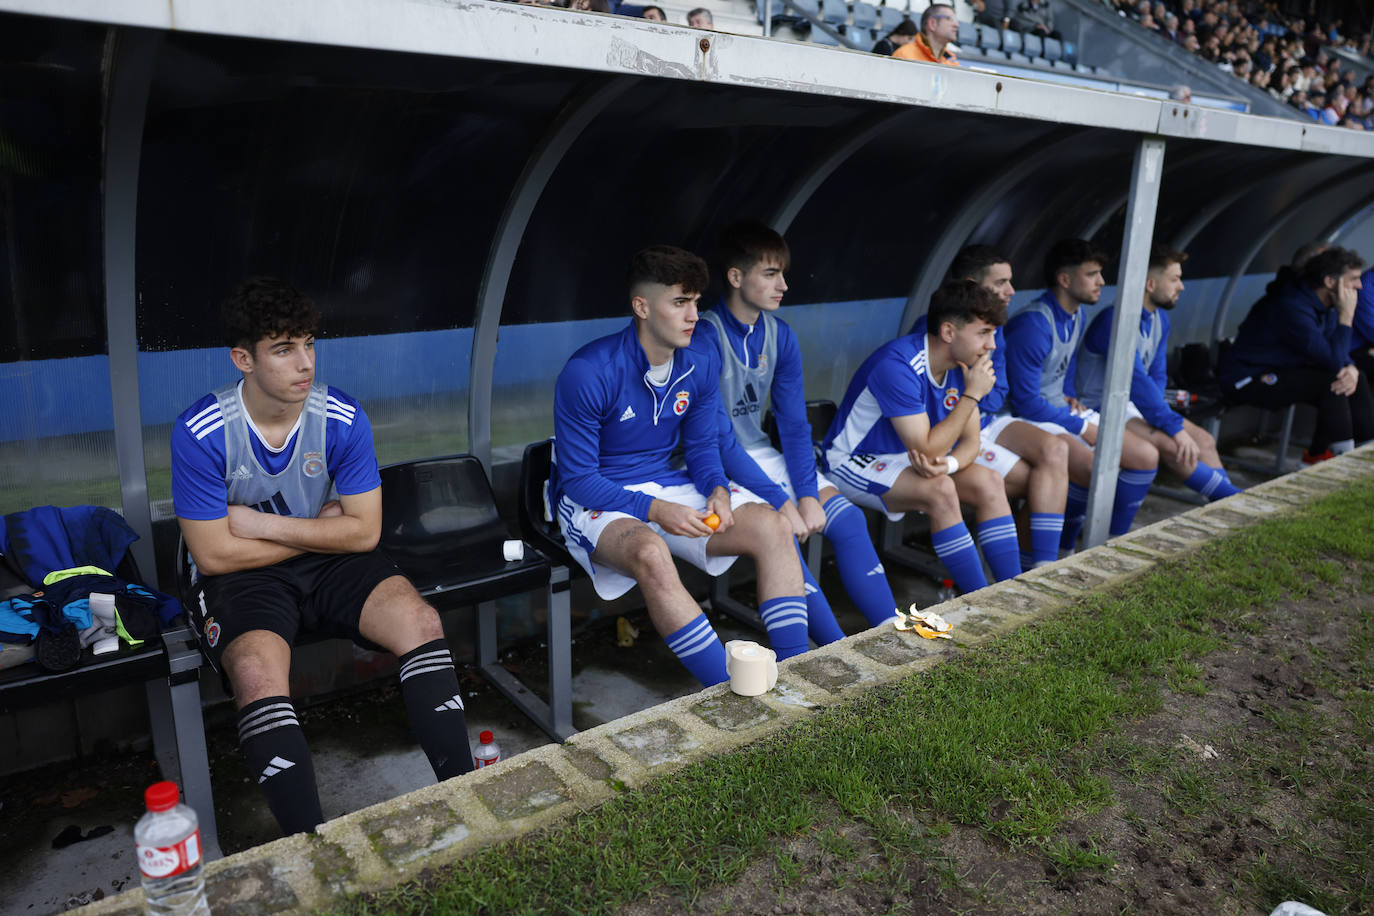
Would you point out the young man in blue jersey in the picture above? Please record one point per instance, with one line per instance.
(622, 404)
(761, 365)
(1033, 463)
(907, 433)
(1042, 348)
(1185, 448)
(276, 490)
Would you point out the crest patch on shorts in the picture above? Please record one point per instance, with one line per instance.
(212, 632)
(1269, 378)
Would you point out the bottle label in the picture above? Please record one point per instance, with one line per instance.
(479, 762)
(166, 861)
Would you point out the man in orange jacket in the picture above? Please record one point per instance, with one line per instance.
(939, 29)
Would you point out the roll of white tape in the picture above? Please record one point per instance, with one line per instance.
(753, 669)
(513, 550)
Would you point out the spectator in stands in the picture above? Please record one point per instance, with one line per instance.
(1294, 347)
(907, 434)
(1035, 17)
(904, 33)
(1042, 348)
(654, 14)
(590, 6)
(1169, 29)
(622, 405)
(761, 366)
(1185, 448)
(1032, 463)
(939, 29)
(1181, 93)
(701, 18)
(254, 466)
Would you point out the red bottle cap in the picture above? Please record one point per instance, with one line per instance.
(486, 738)
(947, 583)
(162, 796)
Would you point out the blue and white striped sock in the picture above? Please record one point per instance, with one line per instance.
(1210, 482)
(785, 619)
(1045, 531)
(861, 571)
(820, 618)
(698, 647)
(954, 547)
(997, 538)
(1131, 488)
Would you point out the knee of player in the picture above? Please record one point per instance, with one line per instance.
(943, 493)
(649, 557)
(1054, 453)
(986, 488)
(426, 622)
(1204, 439)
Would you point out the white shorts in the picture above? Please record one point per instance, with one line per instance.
(863, 479)
(771, 462)
(582, 529)
(997, 457)
(1089, 416)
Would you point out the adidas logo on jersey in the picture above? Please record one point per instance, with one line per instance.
(241, 473)
(454, 702)
(748, 404)
(275, 766)
(629, 414)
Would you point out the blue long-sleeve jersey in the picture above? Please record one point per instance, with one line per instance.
(787, 395)
(1288, 328)
(1147, 382)
(1028, 349)
(992, 401)
(614, 428)
(1362, 334)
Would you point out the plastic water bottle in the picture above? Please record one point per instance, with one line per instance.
(487, 752)
(167, 839)
(946, 592)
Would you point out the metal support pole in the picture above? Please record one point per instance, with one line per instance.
(580, 111)
(1135, 256)
(134, 55)
(767, 18)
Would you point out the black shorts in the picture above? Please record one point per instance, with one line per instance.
(313, 593)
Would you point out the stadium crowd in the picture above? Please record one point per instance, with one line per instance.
(1292, 59)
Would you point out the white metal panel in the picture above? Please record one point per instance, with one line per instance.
(1178, 120)
(488, 30)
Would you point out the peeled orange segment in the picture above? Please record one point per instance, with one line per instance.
(712, 521)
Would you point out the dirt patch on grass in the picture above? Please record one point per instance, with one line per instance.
(1248, 785)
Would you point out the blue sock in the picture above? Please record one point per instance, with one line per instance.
(785, 619)
(820, 619)
(1045, 531)
(997, 537)
(954, 547)
(699, 648)
(1210, 482)
(860, 569)
(1131, 487)
(1075, 510)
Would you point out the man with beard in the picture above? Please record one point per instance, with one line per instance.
(1184, 447)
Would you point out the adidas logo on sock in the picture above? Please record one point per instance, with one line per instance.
(877, 570)
(454, 702)
(275, 766)
(629, 414)
(811, 589)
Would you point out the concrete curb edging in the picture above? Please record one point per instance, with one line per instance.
(391, 842)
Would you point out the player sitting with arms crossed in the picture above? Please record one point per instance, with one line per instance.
(907, 433)
(254, 469)
(621, 405)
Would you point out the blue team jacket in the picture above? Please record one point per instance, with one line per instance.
(614, 429)
(1288, 328)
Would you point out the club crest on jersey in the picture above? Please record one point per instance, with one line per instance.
(313, 465)
(212, 632)
(680, 402)
(951, 398)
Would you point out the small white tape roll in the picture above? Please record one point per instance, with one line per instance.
(513, 550)
(951, 464)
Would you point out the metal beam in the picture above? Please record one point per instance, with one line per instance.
(1277, 222)
(934, 265)
(579, 112)
(132, 55)
(854, 139)
(1146, 176)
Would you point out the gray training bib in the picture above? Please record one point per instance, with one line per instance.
(1056, 369)
(745, 391)
(303, 486)
(1092, 367)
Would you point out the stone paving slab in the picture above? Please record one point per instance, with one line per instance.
(385, 844)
